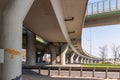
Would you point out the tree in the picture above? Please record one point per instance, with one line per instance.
(115, 50)
(103, 53)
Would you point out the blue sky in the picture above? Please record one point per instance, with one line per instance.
(103, 35)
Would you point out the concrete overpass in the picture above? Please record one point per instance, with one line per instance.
(51, 15)
(54, 20)
(102, 13)
(59, 22)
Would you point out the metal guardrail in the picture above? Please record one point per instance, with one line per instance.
(70, 69)
(103, 6)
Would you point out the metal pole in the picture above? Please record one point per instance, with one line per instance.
(59, 69)
(103, 6)
(97, 7)
(93, 75)
(92, 8)
(39, 70)
(87, 11)
(49, 71)
(109, 5)
(81, 69)
(106, 73)
(70, 71)
(90, 41)
(119, 74)
(116, 4)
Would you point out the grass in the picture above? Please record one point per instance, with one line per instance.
(103, 14)
(101, 65)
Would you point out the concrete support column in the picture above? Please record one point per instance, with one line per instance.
(53, 58)
(87, 61)
(84, 60)
(77, 59)
(13, 14)
(95, 61)
(69, 57)
(81, 60)
(31, 50)
(91, 61)
(58, 58)
(72, 60)
(64, 50)
(53, 55)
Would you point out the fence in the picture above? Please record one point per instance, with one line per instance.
(69, 70)
(103, 6)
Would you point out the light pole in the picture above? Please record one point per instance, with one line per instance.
(90, 41)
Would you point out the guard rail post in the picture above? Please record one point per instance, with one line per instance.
(69, 71)
(106, 73)
(81, 69)
(59, 69)
(93, 73)
(48, 71)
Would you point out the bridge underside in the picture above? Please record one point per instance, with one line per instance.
(59, 22)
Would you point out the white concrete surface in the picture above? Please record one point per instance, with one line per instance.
(13, 14)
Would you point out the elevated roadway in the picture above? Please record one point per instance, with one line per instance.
(106, 12)
(58, 21)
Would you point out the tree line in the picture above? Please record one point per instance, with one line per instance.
(115, 50)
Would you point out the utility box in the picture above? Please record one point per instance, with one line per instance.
(1, 55)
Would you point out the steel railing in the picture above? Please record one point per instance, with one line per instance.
(103, 6)
(69, 70)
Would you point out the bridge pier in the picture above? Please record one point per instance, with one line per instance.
(94, 61)
(53, 55)
(91, 61)
(64, 50)
(12, 14)
(72, 60)
(77, 59)
(68, 57)
(81, 60)
(87, 61)
(84, 61)
(58, 58)
(31, 50)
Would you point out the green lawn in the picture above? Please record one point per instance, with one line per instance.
(101, 65)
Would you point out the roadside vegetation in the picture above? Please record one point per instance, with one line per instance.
(100, 65)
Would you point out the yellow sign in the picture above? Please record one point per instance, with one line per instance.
(12, 52)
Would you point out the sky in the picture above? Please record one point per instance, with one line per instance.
(100, 36)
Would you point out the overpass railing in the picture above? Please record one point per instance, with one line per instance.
(103, 6)
(69, 71)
